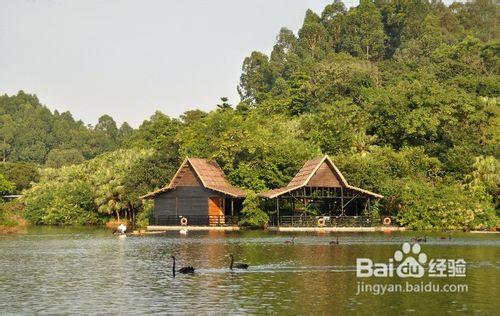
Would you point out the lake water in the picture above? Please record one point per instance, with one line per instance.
(70, 270)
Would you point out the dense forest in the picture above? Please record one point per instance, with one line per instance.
(402, 94)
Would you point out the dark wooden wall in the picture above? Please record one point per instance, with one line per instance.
(190, 201)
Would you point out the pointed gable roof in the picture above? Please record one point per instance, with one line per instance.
(208, 173)
(308, 171)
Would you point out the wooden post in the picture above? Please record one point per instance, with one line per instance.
(133, 219)
(232, 207)
(341, 201)
(278, 209)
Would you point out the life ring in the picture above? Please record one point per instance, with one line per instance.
(184, 221)
(321, 222)
(387, 221)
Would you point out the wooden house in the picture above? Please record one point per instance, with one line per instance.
(198, 194)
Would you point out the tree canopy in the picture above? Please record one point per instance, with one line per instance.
(402, 94)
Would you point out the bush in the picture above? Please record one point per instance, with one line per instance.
(88, 193)
(10, 217)
(61, 202)
(58, 158)
(144, 216)
(252, 214)
(5, 185)
(444, 206)
(20, 173)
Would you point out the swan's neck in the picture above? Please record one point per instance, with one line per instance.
(173, 267)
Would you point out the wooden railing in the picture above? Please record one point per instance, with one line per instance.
(287, 221)
(323, 221)
(196, 220)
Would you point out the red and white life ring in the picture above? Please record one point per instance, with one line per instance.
(184, 221)
(387, 221)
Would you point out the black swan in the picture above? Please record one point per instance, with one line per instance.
(237, 265)
(290, 242)
(419, 239)
(183, 270)
(335, 242)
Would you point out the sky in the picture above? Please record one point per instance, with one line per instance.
(130, 58)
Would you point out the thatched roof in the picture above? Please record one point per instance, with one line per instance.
(210, 175)
(306, 174)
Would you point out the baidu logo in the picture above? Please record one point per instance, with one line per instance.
(410, 262)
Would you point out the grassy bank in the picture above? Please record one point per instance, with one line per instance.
(11, 218)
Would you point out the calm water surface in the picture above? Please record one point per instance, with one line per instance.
(69, 270)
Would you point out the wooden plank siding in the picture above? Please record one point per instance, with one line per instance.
(187, 177)
(184, 200)
(324, 177)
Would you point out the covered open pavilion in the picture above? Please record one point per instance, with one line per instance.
(319, 195)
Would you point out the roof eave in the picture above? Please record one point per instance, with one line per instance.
(155, 193)
(378, 196)
(227, 192)
(272, 196)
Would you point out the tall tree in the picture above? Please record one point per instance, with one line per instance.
(363, 33)
(313, 37)
(256, 78)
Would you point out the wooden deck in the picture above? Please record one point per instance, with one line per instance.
(337, 229)
(191, 228)
(278, 229)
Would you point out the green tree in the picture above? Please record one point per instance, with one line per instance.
(363, 33)
(256, 78)
(313, 37)
(284, 59)
(63, 157)
(5, 185)
(252, 214)
(158, 132)
(7, 132)
(224, 104)
(20, 174)
(124, 132)
(339, 127)
(107, 125)
(332, 18)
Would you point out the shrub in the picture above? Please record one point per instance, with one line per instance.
(252, 214)
(444, 206)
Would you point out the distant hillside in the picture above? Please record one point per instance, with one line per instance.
(30, 132)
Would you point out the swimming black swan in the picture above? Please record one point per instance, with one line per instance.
(184, 270)
(237, 265)
(335, 242)
(290, 242)
(419, 239)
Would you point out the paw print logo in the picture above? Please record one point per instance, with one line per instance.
(411, 261)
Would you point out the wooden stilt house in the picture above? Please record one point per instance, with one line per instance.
(198, 194)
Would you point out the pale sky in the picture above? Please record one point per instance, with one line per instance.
(129, 58)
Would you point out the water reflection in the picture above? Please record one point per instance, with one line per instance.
(62, 270)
